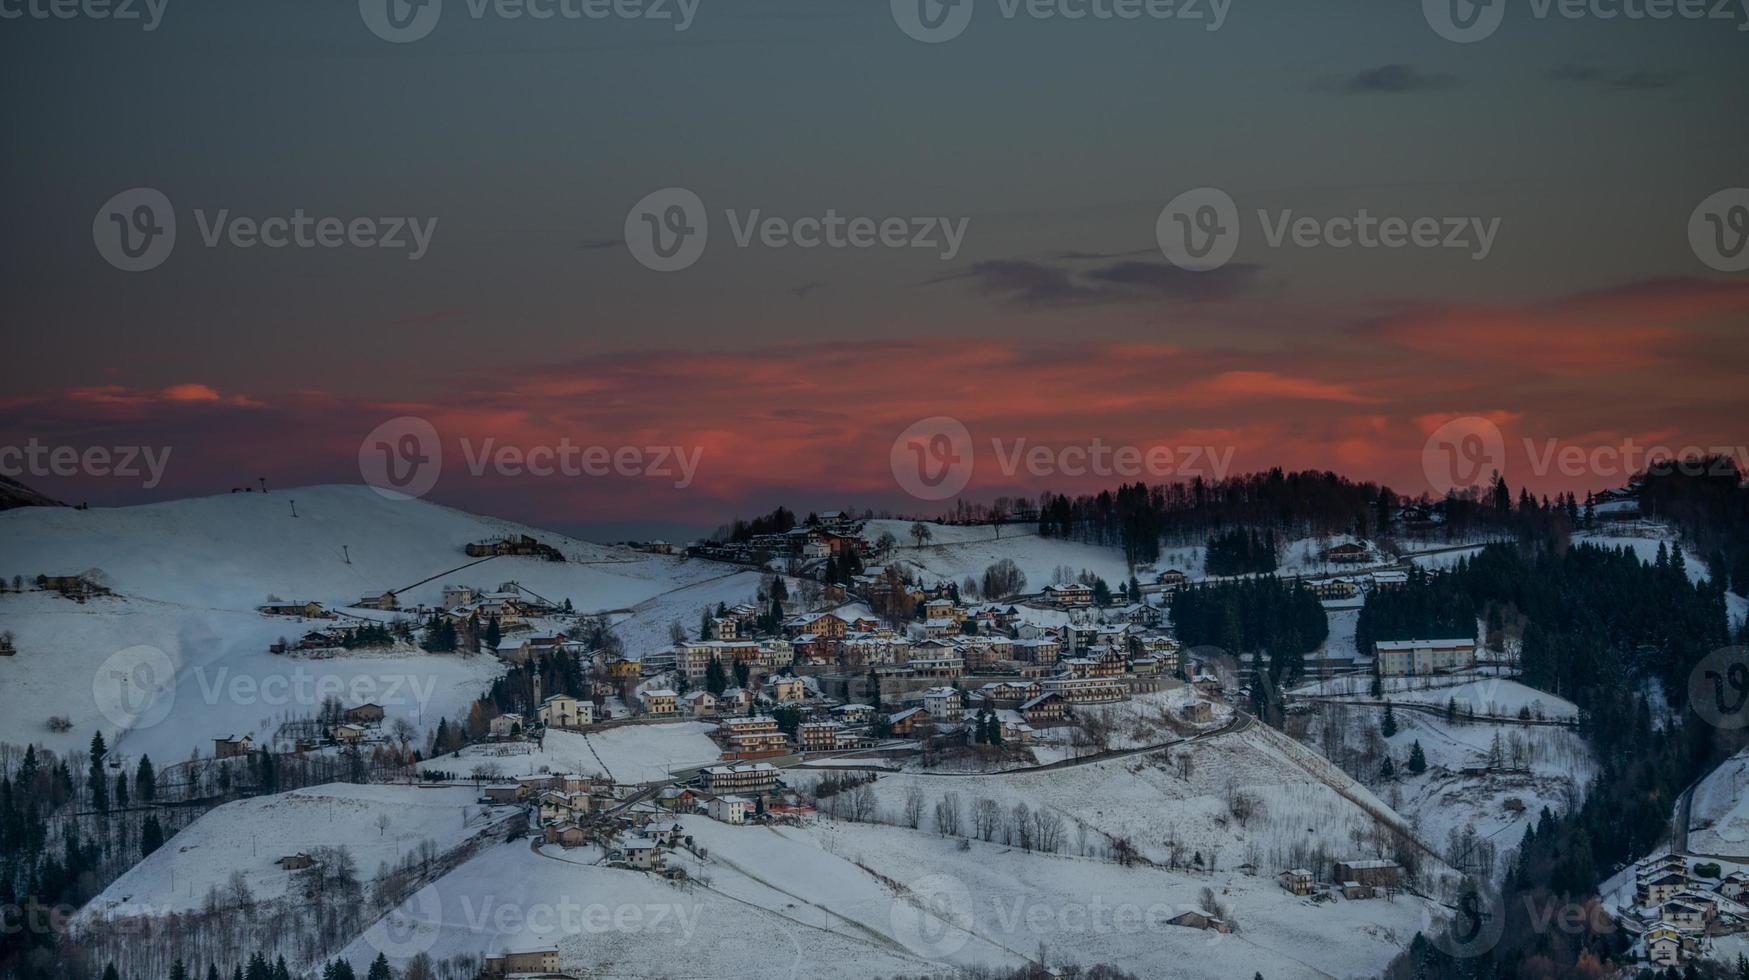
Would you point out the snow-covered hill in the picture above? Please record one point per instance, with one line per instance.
(188, 576)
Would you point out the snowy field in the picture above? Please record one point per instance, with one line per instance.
(248, 836)
(629, 753)
(849, 901)
(957, 552)
(189, 575)
(1497, 696)
(1719, 813)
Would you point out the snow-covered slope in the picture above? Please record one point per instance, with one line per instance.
(188, 576)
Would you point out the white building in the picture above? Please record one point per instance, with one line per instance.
(1401, 658)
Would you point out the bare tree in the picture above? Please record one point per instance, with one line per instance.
(947, 815)
(986, 817)
(913, 807)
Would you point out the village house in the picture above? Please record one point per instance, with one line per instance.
(381, 601)
(295, 862)
(1044, 709)
(641, 853)
(1400, 658)
(230, 746)
(1085, 690)
(1069, 594)
(1370, 872)
(565, 834)
(911, 721)
(699, 703)
(347, 733)
(543, 959)
(784, 689)
(1197, 713)
(1331, 589)
(730, 809)
(1299, 881)
(1388, 580)
(1664, 945)
(854, 714)
(1348, 553)
(660, 702)
(823, 624)
(734, 700)
(565, 711)
(1015, 730)
(504, 726)
(365, 714)
(751, 735)
(818, 736)
(943, 703)
(302, 610)
(1200, 920)
(746, 777)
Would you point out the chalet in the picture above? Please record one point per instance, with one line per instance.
(1015, 730)
(1008, 694)
(908, 722)
(751, 735)
(565, 711)
(1664, 946)
(660, 702)
(230, 746)
(302, 610)
(456, 595)
(504, 726)
(72, 586)
(1200, 920)
(1347, 554)
(1685, 913)
(501, 793)
(348, 733)
(295, 862)
(725, 628)
(559, 806)
(1171, 578)
(734, 699)
(1660, 888)
(1388, 580)
(1085, 690)
(1069, 594)
(1401, 658)
(1328, 590)
(666, 832)
(544, 959)
(383, 601)
(747, 777)
(1297, 880)
(677, 798)
(365, 714)
(1371, 872)
(1735, 885)
(730, 809)
(853, 714)
(822, 624)
(1045, 708)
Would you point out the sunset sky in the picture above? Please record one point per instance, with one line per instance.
(1590, 321)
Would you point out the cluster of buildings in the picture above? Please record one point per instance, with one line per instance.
(832, 533)
(1354, 878)
(1675, 914)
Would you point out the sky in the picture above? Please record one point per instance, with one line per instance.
(1019, 176)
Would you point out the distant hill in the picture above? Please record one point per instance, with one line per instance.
(15, 494)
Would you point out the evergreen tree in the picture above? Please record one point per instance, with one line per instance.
(94, 780)
(1388, 726)
(1388, 771)
(379, 969)
(145, 781)
(1417, 759)
(178, 971)
(151, 835)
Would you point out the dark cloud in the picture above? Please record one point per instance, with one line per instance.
(1615, 79)
(1037, 285)
(1389, 79)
